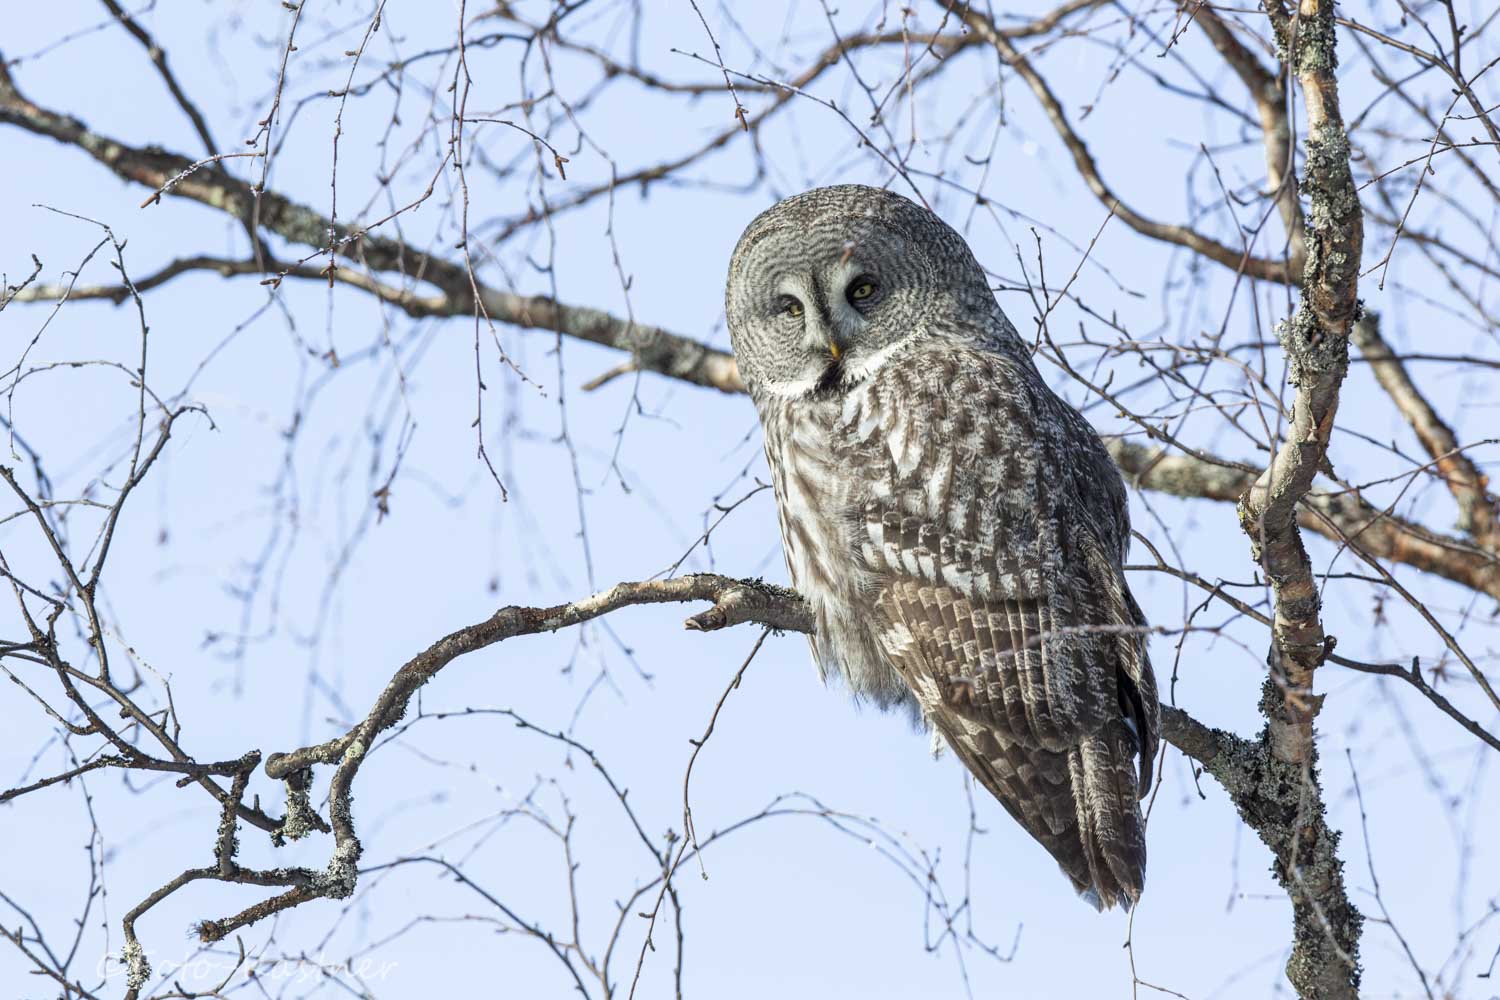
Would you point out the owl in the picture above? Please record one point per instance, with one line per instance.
(958, 530)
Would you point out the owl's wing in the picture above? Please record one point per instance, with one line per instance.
(1007, 613)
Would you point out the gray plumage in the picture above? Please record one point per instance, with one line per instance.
(958, 529)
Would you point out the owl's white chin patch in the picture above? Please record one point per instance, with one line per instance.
(854, 370)
(861, 368)
(793, 388)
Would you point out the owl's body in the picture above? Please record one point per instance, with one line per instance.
(957, 528)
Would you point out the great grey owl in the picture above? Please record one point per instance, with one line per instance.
(957, 528)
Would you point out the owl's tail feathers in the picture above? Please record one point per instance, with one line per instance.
(1079, 803)
(1111, 831)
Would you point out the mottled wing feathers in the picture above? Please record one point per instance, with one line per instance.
(1004, 608)
(997, 647)
(1032, 709)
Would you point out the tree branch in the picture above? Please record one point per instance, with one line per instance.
(1340, 517)
(655, 349)
(1316, 342)
(1268, 91)
(1268, 792)
(1476, 506)
(1326, 926)
(1239, 261)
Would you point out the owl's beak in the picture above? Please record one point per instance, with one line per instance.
(834, 350)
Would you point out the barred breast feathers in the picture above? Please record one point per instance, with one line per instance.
(815, 509)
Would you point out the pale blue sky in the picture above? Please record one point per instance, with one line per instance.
(790, 905)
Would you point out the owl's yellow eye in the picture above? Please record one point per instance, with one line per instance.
(861, 290)
(792, 308)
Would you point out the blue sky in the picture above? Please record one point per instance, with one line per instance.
(790, 903)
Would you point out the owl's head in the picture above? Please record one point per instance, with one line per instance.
(828, 284)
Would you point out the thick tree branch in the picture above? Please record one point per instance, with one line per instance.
(1283, 804)
(1340, 517)
(1316, 342)
(1326, 926)
(734, 602)
(653, 348)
